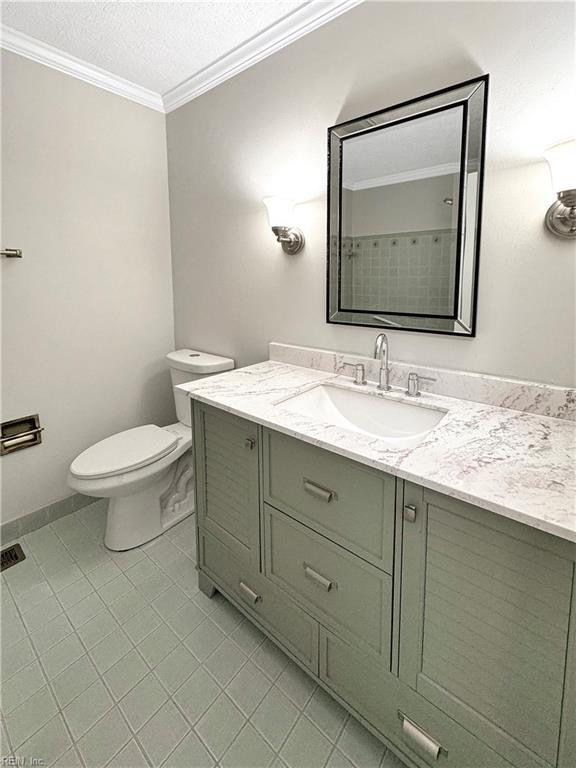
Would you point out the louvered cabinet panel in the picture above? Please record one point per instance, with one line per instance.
(227, 487)
(486, 606)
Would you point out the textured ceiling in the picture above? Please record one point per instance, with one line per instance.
(155, 45)
(429, 141)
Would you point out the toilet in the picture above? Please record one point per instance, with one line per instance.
(147, 472)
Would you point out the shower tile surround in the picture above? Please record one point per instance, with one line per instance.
(404, 272)
(130, 665)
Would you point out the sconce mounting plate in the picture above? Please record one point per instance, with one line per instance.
(561, 216)
(291, 238)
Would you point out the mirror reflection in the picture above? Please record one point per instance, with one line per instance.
(400, 202)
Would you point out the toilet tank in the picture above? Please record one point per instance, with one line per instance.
(188, 365)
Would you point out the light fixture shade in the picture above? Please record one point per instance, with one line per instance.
(562, 161)
(280, 211)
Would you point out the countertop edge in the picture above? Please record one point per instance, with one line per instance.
(545, 526)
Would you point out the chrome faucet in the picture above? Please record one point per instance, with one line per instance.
(381, 353)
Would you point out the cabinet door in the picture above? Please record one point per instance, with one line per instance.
(387, 704)
(485, 623)
(227, 481)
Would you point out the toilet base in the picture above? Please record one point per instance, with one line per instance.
(140, 517)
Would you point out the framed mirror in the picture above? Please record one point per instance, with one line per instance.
(404, 210)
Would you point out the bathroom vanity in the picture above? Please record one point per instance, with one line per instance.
(447, 627)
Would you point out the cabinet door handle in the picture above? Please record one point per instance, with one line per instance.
(317, 578)
(249, 594)
(409, 513)
(425, 742)
(250, 443)
(323, 494)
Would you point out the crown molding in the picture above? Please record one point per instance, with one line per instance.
(24, 45)
(397, 178)
(309, 17)
(304, 20)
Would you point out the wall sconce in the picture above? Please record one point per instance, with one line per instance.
(280, 213)
(561, 216)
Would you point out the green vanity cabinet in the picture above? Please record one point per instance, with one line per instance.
(448, 630)
(262, 601)
(320, 490)
(390, 707)
(227, 480)
(343, 591)
(485, 630)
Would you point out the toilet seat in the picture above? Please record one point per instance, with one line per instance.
(125, 451)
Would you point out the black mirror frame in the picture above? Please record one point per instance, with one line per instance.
(455, 95)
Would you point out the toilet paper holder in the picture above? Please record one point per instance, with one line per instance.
(18, 434)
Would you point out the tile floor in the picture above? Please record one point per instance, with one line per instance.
(116, 659)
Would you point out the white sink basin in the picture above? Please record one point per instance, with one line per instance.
(403, 425)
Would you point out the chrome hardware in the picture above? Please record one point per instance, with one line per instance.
(250, 443)
(381, 353)
(323, 494)
(409, 513)
(561, 216)
(11, 253)
(381, 348)
(426, 743)
(249, 594)
(292, 239)
(317, 578)
(359, 372)
(414, 380)
(18, 434)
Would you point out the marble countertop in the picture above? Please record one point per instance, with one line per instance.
(519, 465)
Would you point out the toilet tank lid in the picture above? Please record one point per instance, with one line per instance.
(194, 361)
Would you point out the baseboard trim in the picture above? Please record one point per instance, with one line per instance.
(12, 530)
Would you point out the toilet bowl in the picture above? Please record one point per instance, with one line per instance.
(147, 472)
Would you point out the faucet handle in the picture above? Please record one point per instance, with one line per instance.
(359, 372)
(414, 380)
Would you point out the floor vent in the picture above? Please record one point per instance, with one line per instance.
(10, 556)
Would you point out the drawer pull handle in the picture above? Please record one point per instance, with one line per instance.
(317, 578)
(250, 443)
(249, 594)
(426, 743)
(323, 494)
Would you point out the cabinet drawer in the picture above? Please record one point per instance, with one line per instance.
(292, 626)
(385, 702)
(342, 590)
(350, 504)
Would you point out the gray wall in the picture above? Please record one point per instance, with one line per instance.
(406, 207)
(264, 132)
(87, 313)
